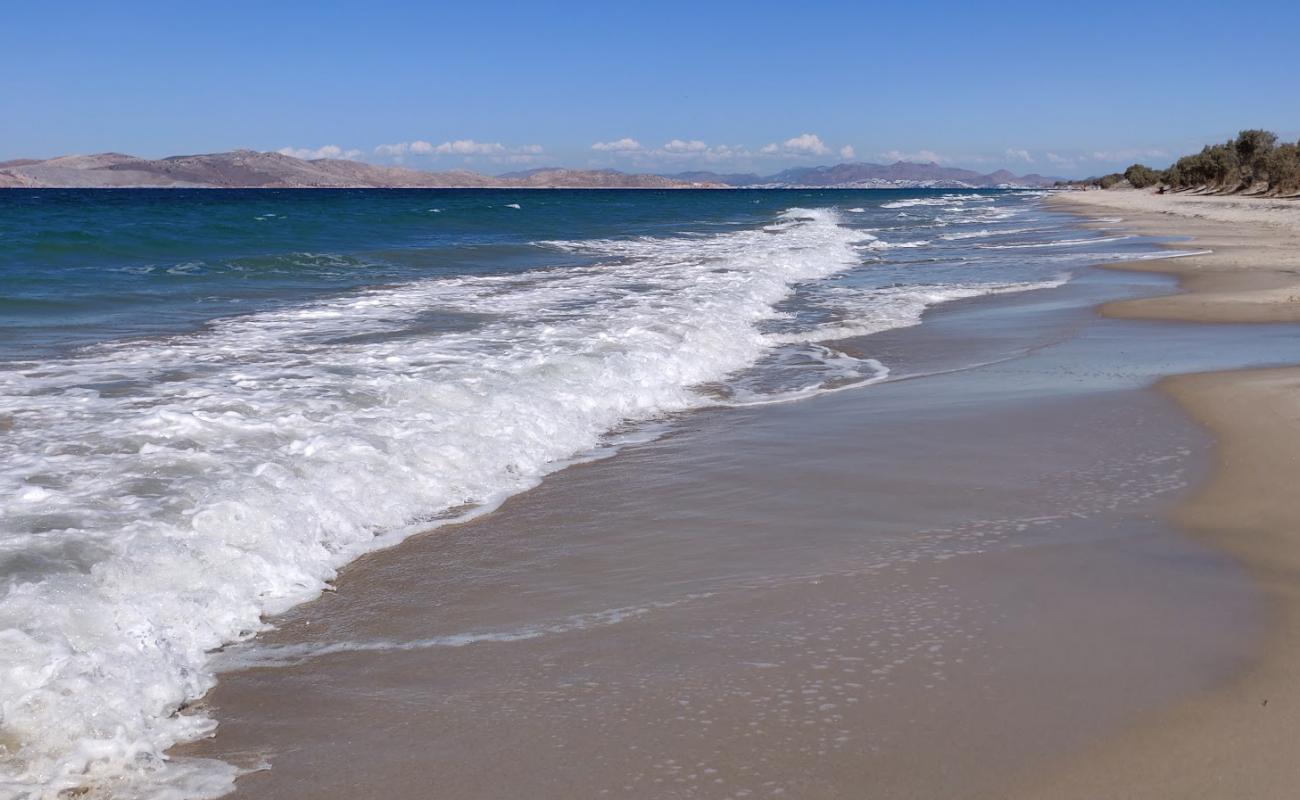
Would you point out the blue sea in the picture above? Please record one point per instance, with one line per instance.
(210, 401)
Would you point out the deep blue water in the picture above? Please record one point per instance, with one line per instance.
(80, 266)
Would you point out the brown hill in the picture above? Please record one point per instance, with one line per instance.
(251, 169)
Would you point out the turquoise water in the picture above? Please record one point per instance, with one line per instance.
(210, 401)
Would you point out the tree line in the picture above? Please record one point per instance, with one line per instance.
(1253, 162)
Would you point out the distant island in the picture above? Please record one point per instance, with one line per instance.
(249, 169)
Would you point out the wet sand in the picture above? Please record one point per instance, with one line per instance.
(1238, 740)
(925, 588)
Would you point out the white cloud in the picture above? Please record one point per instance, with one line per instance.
(846, 152)
(469, 147)
(808, 144)
(625, 145)
(679, 146)
(328, 151)
(696, 150)
(805, 144)
(460, 147)
(1016, 154)
(724, 152)
(920, 156)
(417, 147)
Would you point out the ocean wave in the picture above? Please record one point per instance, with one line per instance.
(166, 495)
(913, 202)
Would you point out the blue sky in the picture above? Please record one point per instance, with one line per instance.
(1056, 88)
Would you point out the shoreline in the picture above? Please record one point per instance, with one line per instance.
(1236, 739)
(1248, 278)
(847, 634)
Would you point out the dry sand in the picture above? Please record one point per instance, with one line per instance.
(1239, 741)
(1252, 275)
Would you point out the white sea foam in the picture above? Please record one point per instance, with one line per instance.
(956, 200)
(913, 202)
(245, 657)
(982, 234)
(860, 312)
(883, 245)
(979, 216)
(1095, 257)
(1057, 243)
(164, 495)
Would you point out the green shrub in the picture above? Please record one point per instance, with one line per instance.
(1217, 166)
(1141, 176)
(1253, 148)
(1283, 169)
(1253, 158)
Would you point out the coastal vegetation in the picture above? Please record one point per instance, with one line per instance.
(1251, 163)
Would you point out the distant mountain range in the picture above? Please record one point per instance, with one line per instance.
(251, 169)
(900, 174)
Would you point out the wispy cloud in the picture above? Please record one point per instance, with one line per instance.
(1018, 154)
(673, 150)
(469, 147)
(919, 156)
(1127, 155)
(417, 147)
(680, 146)
(464, 148)
(625, 145)
(328, 151)
(679, 150)
(1060, 161)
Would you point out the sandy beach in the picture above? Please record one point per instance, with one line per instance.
(498, 402)
(1239, 740)
(850, 596)
(1253, 274)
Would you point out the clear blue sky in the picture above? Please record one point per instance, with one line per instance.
(1053, 87)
